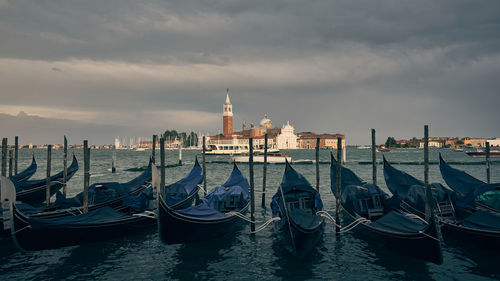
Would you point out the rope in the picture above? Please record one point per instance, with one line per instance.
(144, 215)
(19, 230)
(264, 225)
(346, 228)
(259, 228)
(432, 237)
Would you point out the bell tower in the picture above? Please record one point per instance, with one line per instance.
(227, 116)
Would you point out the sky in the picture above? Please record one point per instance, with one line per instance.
(100, 69)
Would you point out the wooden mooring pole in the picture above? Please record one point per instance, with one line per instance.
(16, 153)
(252, 190)
(47, 189)
(86, 176)
(180, 155)
(204, 168)
(374, 158)
(153, 153)
(4, 157)
(488, 162)
(113, 160)
(65, 163)
(264, 172)
(339, 182)
(317, 163)
(162, 168)
(426, 173)
(10, 163)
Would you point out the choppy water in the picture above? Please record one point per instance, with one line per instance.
(241, 256)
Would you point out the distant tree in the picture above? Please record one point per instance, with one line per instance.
(390, 142)
(459, 142)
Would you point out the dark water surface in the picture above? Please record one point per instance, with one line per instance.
(240, 256)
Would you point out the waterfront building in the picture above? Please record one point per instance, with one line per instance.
(287, 139)
(307, 140)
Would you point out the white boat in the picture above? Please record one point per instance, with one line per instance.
(228, 149)
(272, 157)
(364, 147)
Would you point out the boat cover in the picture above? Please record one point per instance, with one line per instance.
(415, 196)
(139, 202)
(104, 192)
(397, 222)
(484, 220)
(236, 184)
(29, 184)
(28, 172)
(293, 183)
(179, 190)
(99, 216)
(352, 193)
(305, 220)
(491, 199)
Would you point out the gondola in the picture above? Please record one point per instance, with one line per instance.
(457, 216)
(104, 194)
(296, 205)
(27, 173)
(380, 218)
(484, 195)
(102, 222)
(214, 216)
(34, 191)
(30, 234)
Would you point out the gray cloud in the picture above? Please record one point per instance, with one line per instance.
(336, 66)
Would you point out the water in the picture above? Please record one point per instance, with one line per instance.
(240, 256)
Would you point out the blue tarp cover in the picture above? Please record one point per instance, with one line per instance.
(294, 184)
(237, 184)
(105, 191)
(397, 222)
(305, 220)
(484, 220)
(99, 216)
(178, 191)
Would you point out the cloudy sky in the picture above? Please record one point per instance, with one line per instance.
(105, 68)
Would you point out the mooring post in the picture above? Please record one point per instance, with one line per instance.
(426, 173)
(264, 172)
(339, 177)
(4, 157)
(374, 158)
(47, 189)
(180, 155)
(113, 160)
(16, 154)
(162, 168)
(10, 163)
(252, 192)
(317, 164)
(204, 168)
(488, 162)
(153, 153)
(65, 163)
(86, 176)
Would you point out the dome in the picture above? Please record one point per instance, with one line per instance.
(266, 122)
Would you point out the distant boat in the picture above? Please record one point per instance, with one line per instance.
(272, 157)
(458, 150)
(383, 150)
(479, 153)
(364, 147)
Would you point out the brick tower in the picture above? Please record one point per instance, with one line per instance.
(227, 117)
